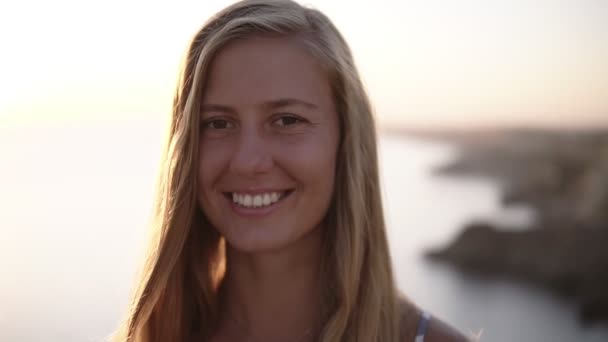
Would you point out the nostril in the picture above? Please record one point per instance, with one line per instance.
(251, 159)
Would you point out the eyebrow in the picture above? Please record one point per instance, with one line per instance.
(274, 104)
(285, 102)
(210, 107)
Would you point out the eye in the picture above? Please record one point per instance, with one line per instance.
(287, 120)
(218, 124)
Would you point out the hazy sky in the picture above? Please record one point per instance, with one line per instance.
(425, 63)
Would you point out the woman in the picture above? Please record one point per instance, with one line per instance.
(269, 217)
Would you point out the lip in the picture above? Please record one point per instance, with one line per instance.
(255, 191)
(258, 212)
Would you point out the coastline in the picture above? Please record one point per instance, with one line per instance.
(563, 176)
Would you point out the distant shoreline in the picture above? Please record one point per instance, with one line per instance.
(563, 176)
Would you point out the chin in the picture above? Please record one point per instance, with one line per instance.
(262, 241)
(256, 245)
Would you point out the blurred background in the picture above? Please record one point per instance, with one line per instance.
(493, 119)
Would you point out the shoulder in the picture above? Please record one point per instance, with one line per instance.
(437, 330)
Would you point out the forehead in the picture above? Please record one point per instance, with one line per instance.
(260, 69)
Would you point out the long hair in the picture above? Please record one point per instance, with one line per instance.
(177, 293)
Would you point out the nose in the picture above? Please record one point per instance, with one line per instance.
(252, 154)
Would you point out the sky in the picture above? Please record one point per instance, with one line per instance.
(429, 64)
(425, 64)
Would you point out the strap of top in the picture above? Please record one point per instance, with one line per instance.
(423, 323)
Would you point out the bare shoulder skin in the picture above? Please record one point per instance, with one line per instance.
(409, 316)
(437, 331)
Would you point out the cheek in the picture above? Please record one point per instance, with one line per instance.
(326, 176)
(211, 163)
(318, 185)
(313, 162)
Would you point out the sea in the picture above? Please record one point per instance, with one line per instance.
(76, 200)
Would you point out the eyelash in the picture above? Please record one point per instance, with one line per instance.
(208, 124)
(297, 119)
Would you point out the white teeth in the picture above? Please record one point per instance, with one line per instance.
(256, 201)
(266, 200)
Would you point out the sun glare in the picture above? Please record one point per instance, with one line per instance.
(425, 63)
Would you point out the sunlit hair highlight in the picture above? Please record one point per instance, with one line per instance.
(177, 295)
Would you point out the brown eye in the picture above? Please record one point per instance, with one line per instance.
(218, 124)
(288, 120)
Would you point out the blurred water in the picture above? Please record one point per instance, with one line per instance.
(425, 211)
(75, 201)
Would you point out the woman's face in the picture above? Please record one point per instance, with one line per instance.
(269, 137)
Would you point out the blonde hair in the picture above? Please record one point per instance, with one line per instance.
(177, 293)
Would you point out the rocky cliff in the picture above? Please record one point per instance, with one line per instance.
(564, 177)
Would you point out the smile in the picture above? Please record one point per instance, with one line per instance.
(257, 200)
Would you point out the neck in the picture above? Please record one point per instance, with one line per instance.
(274, 295)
